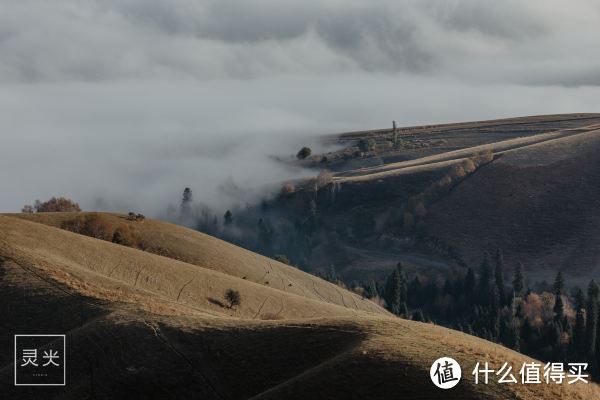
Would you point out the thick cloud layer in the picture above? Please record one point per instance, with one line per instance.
(122, 103)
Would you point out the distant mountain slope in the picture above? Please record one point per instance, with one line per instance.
(540, 204)
(422, 195)
(538, 200)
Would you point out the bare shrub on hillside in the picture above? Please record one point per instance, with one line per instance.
(457, 171)
(483, 157)
(125, 236)
(233, 297)
(93, 225)
(468, 166)
(135, 217)
(287, 189)
(538, 308)
(324, 178)
(96, 226)
(378, 300)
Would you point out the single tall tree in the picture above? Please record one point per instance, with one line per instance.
(470, 284)
(559, 284)
(396, 292)
(591, 323)
(499, 276)
(579, 333)
(484, 279)
(227, 218)
(518, 280)
(186, 200)
(559, 309)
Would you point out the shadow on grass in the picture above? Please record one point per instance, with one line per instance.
(216, 302)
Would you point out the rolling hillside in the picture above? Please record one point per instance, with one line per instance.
(149, 326)
(534, 196)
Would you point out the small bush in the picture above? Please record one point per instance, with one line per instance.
(324, 178)
(93, 225)
(233, 297)
(135, 217)
(304, 153)
(125, 236)
(74, 225)
(288, 189)
(96, 226)
(282, 258)
(483, 157)
(367, 144)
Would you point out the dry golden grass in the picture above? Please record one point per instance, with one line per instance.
(121, 273)
(213, 254)
(319, 341)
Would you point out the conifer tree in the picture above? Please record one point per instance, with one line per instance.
(470, 283)
(418, 316)
(414, 292)
(403, 310)
(518, 280)
(559, 309)
(484, 280)
(499, 276)
(371, 289)
(396, 289)
(579, 333)
(186, 200)
(591, 324)
(559, 284)
(227, 218)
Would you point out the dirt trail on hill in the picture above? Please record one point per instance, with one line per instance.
(452, 157)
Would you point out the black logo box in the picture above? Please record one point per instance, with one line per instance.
(49, 375)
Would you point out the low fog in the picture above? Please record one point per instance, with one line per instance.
(121, 104)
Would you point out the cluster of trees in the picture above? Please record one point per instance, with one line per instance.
(98, 226)
(410, 217)
(551, 326)
(265, 229)
(55, 204)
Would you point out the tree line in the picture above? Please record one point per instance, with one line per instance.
(553, 325)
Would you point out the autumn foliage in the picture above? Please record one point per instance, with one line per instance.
(55, 204)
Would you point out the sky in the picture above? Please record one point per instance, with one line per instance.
(120, 104)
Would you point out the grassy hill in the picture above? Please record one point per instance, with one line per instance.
(539, 204)
(148, 326)
(533, 194)
(268, 287)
